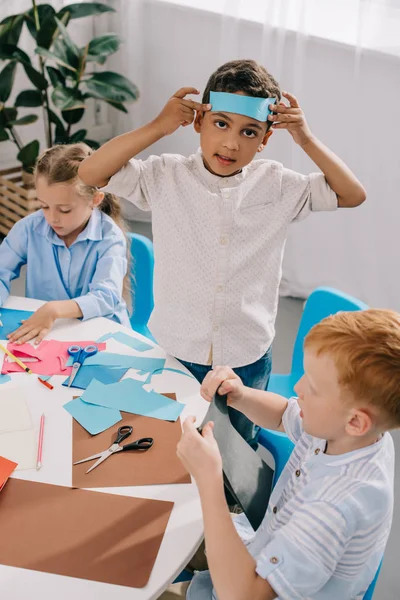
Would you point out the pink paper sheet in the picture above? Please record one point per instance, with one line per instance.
(52, 357)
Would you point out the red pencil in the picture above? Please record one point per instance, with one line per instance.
(46, 383)
(40, 444)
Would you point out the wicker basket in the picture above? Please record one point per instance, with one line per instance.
(16, 199)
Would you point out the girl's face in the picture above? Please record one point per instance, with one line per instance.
(64, 209)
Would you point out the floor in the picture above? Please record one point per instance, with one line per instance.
(289, 314)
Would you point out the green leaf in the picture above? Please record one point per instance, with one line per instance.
(45, 13)
(9, 51)
(7, 115)
(111, 86)
(7, 77)
(118, 106)
(78, 136)
(47, 32)
(73, 116)
(52, 56)
(85, 9)
(66, 98)
(70, 45)
(102, 46)
(26, 120)
(54, 118)
(56, 77)
(10, 29)
(92, 143)
(29, 98)
(3, 135)
(28, 154)
(36, 78)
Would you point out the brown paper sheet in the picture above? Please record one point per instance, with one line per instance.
(78, 533)
(158, 465)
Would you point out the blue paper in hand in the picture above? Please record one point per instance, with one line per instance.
(128, 395)
(11, 320)
(94, 419)
(87, 373)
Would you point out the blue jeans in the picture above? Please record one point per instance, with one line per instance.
(255, 376)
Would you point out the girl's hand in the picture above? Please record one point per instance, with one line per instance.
(291, 118)
(199, 452)
(37, 326)
(179, 111)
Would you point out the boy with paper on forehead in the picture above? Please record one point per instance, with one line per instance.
(220, 218)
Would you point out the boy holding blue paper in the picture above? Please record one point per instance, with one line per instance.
(220, 218)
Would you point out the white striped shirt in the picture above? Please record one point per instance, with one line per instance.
(218, 247)
(327, 522)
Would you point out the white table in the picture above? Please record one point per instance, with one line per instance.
(185, 526)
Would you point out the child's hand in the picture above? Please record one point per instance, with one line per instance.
(291, 118)
(199, 452)
(179, 111)
(225, 381)
(37, 326)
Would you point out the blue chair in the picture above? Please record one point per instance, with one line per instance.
(141, 282)
(321, 303)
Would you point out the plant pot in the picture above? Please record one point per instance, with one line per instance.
(17, 200)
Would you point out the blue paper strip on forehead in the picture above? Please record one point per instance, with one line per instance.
(256, 108)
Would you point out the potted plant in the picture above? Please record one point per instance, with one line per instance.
(61, 75)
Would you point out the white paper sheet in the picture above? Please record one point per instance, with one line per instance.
(14, 412)
(21, 447)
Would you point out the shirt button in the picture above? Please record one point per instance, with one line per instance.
(274, 560)
(317, 451)
(275, 510)
(216, 328)
(220, 288)
(223, 241)
(298, 473)
(227, 194)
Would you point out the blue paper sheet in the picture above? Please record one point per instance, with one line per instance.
(128, 340)
(102, 374)
(94, 419)
(109, 359)
(150, 375)
(128, 395)
(4, 378)
(11, 320)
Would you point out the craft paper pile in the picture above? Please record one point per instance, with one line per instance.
(51, 357)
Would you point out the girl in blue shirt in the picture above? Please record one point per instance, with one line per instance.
(73, 247)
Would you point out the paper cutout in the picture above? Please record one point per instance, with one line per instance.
(159, 465)
(4, 378)
(20, 447)
(6, 468)
(109, 359)
(130, 396)
(14, 413)
(11, 320)
(102, 374)
(149, 378)
(46, 528)
(254, 107)
(93, 418)
(128, 340)
(52, 357)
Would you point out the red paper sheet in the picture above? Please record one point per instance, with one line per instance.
(6, 468)
(52, 357)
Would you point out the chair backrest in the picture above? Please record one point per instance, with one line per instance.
(141, 279)
(281, 448)
(321, 303)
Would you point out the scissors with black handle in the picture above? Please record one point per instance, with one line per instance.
(123, 432)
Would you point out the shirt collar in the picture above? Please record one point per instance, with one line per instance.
(93, 230)
(336, 460)
(217, 180)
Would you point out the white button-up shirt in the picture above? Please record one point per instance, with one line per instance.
(218, 247)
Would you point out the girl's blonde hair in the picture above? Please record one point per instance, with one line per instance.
(365, 347)
(60, 164)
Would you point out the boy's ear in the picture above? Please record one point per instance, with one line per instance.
(265, 140)
(97, 199)
(360, 423)
(198, 121)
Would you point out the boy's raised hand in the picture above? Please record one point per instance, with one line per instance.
(291, 118)
(199, 452)
(225, 380)
(179, 111)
